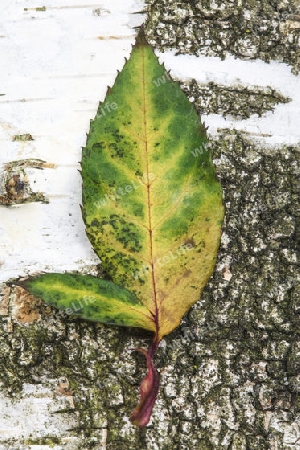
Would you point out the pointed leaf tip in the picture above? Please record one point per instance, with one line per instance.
(141, 37)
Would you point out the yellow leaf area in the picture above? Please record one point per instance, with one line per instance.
(151, 202)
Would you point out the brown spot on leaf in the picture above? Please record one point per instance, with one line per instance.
(186, 274)
(190, 242)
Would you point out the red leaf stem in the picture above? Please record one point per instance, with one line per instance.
(148, 390)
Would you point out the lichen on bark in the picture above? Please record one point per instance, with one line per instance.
(247, 29)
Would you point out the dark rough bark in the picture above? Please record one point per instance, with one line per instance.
(247, 29)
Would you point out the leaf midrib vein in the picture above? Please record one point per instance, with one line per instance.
(148, 192)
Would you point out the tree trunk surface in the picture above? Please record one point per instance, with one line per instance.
(230, 374)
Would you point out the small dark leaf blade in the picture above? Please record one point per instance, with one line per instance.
(90, 298)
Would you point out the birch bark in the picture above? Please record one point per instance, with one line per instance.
(230, 373)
